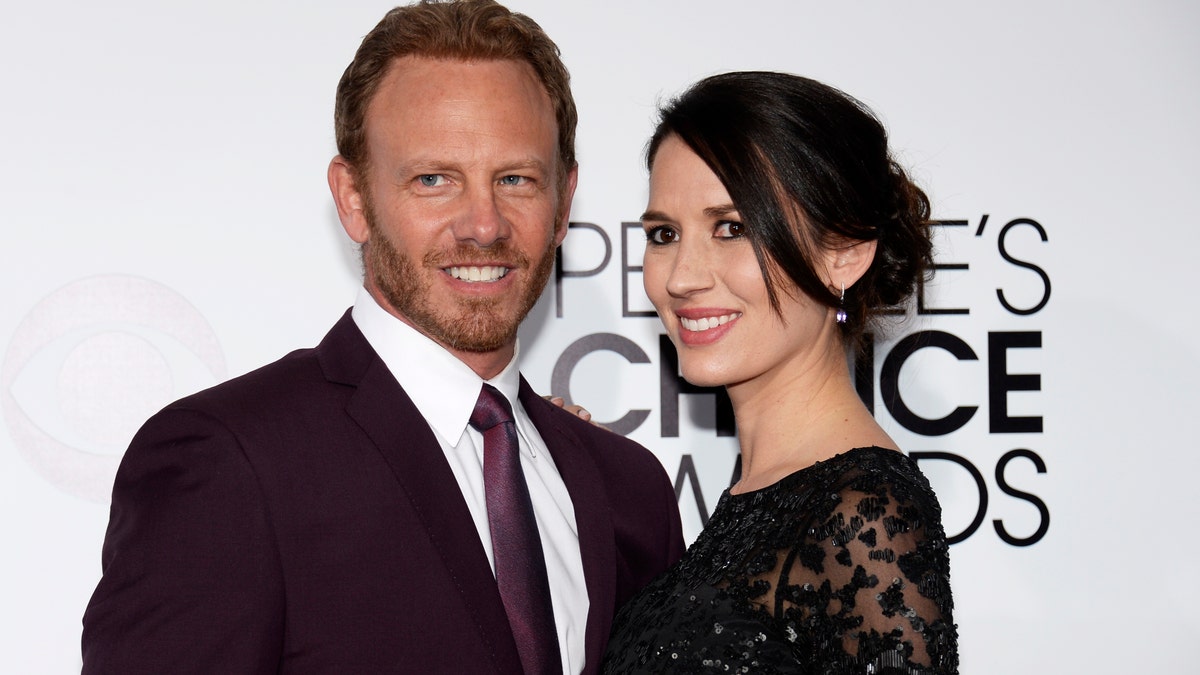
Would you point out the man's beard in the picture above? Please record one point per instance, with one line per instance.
(469, 324)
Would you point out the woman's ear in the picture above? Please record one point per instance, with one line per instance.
(846, 264)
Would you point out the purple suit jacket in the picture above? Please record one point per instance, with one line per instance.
(303, 519)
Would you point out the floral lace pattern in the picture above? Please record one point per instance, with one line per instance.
(839, 568)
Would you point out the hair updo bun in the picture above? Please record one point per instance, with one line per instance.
(808, 169)
(904, 250)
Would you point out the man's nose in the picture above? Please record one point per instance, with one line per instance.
(481, 221)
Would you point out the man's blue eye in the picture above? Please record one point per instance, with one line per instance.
(430, 180)
(512, 180)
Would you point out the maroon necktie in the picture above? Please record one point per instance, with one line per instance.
(516, 547)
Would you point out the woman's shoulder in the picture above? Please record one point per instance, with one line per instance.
(865, 478)
(859, 468)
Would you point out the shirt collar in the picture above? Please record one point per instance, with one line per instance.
(443, 388)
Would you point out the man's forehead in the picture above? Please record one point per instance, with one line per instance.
(444, 73)
(463, 102)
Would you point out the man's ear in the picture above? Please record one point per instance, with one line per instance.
(351, 206)
(564, 207)
(846, 263)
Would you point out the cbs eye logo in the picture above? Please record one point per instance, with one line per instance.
(89, 364)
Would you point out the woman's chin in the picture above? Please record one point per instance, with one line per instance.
(705, 377)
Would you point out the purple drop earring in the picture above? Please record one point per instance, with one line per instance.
(841, 312)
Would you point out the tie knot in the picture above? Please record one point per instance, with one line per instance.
(491, 409)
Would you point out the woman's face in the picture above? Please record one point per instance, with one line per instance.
(701, 273)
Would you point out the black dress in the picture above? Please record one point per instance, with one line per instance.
(841, 567)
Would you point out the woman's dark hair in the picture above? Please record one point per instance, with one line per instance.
(808, 169)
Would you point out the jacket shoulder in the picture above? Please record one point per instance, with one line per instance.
(294, 382)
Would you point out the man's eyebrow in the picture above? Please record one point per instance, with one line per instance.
(530, 163)
(423, 166)
(434, 165)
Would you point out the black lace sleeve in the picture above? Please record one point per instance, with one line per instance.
(866, 588)
(841, 568)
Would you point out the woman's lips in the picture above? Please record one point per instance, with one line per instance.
(701, 327)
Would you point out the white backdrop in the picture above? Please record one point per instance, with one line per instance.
(166, 225)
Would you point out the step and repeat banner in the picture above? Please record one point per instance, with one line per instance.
(166, 226)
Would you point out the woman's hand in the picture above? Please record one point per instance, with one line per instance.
(575, 409)
(578, 410)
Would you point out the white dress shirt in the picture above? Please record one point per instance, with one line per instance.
(444, 390)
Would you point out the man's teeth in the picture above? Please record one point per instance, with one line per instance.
(707, 322)
(487, 273)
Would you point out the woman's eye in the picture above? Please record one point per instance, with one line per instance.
(730, 229)
(661, 235)
(431, 179)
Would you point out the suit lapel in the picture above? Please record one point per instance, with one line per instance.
(386, 414)
(597, 543)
